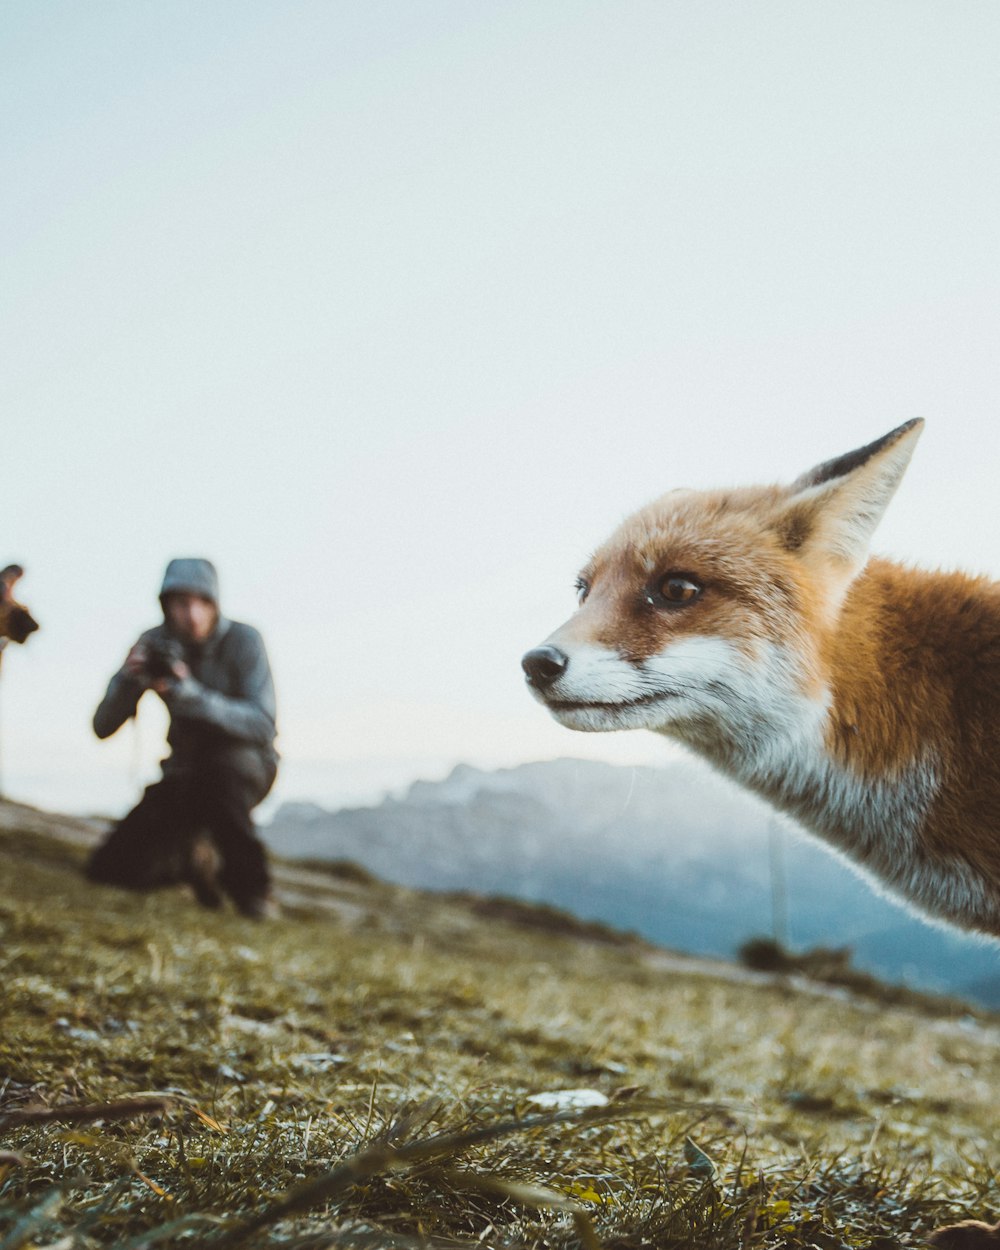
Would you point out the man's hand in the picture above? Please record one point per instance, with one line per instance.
(135, 664)
(163, 685)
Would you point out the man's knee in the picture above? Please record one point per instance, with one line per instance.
(105, 867)
(145, 849)
(128, 863)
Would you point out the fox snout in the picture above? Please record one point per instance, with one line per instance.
(20, 625)
(544, 665)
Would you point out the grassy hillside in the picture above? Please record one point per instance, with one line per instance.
(384, 1068)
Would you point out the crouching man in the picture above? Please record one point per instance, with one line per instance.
(194, 825)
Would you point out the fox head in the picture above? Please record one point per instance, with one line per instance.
(704, 615)
(16, 622)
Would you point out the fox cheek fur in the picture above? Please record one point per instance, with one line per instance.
(861, 697)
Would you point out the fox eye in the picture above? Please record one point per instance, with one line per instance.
(676, 589)
(582, 589)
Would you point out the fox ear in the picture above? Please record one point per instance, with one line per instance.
(831, 512)
(9, 576)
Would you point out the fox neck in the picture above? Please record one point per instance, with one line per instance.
(819, 733)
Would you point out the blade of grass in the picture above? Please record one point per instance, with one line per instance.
(383, 1158)
(82, 1113)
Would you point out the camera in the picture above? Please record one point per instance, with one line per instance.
(161, 656)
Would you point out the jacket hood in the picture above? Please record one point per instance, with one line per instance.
(191, 577)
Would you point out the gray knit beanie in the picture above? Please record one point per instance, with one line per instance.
(191, 577)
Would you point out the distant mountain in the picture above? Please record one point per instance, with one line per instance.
(674, 853)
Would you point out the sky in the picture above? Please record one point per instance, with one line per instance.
(394, 309)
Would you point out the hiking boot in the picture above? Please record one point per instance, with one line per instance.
(204, 863)
(259, 907)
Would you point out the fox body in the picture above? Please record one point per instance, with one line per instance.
(859, 696)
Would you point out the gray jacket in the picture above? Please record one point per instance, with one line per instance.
(227, 700)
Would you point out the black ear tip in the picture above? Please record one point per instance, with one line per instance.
(840, 466)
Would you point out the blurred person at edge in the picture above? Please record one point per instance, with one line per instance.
(194, 825)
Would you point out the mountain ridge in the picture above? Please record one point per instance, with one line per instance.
(674, 853)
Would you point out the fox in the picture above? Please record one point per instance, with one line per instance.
(16, 622)
(859, 696)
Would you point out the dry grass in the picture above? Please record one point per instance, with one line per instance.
(364, 1072)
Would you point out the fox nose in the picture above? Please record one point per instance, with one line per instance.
(20, 625)
(543, 665)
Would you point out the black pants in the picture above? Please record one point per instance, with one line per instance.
(151, 846)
